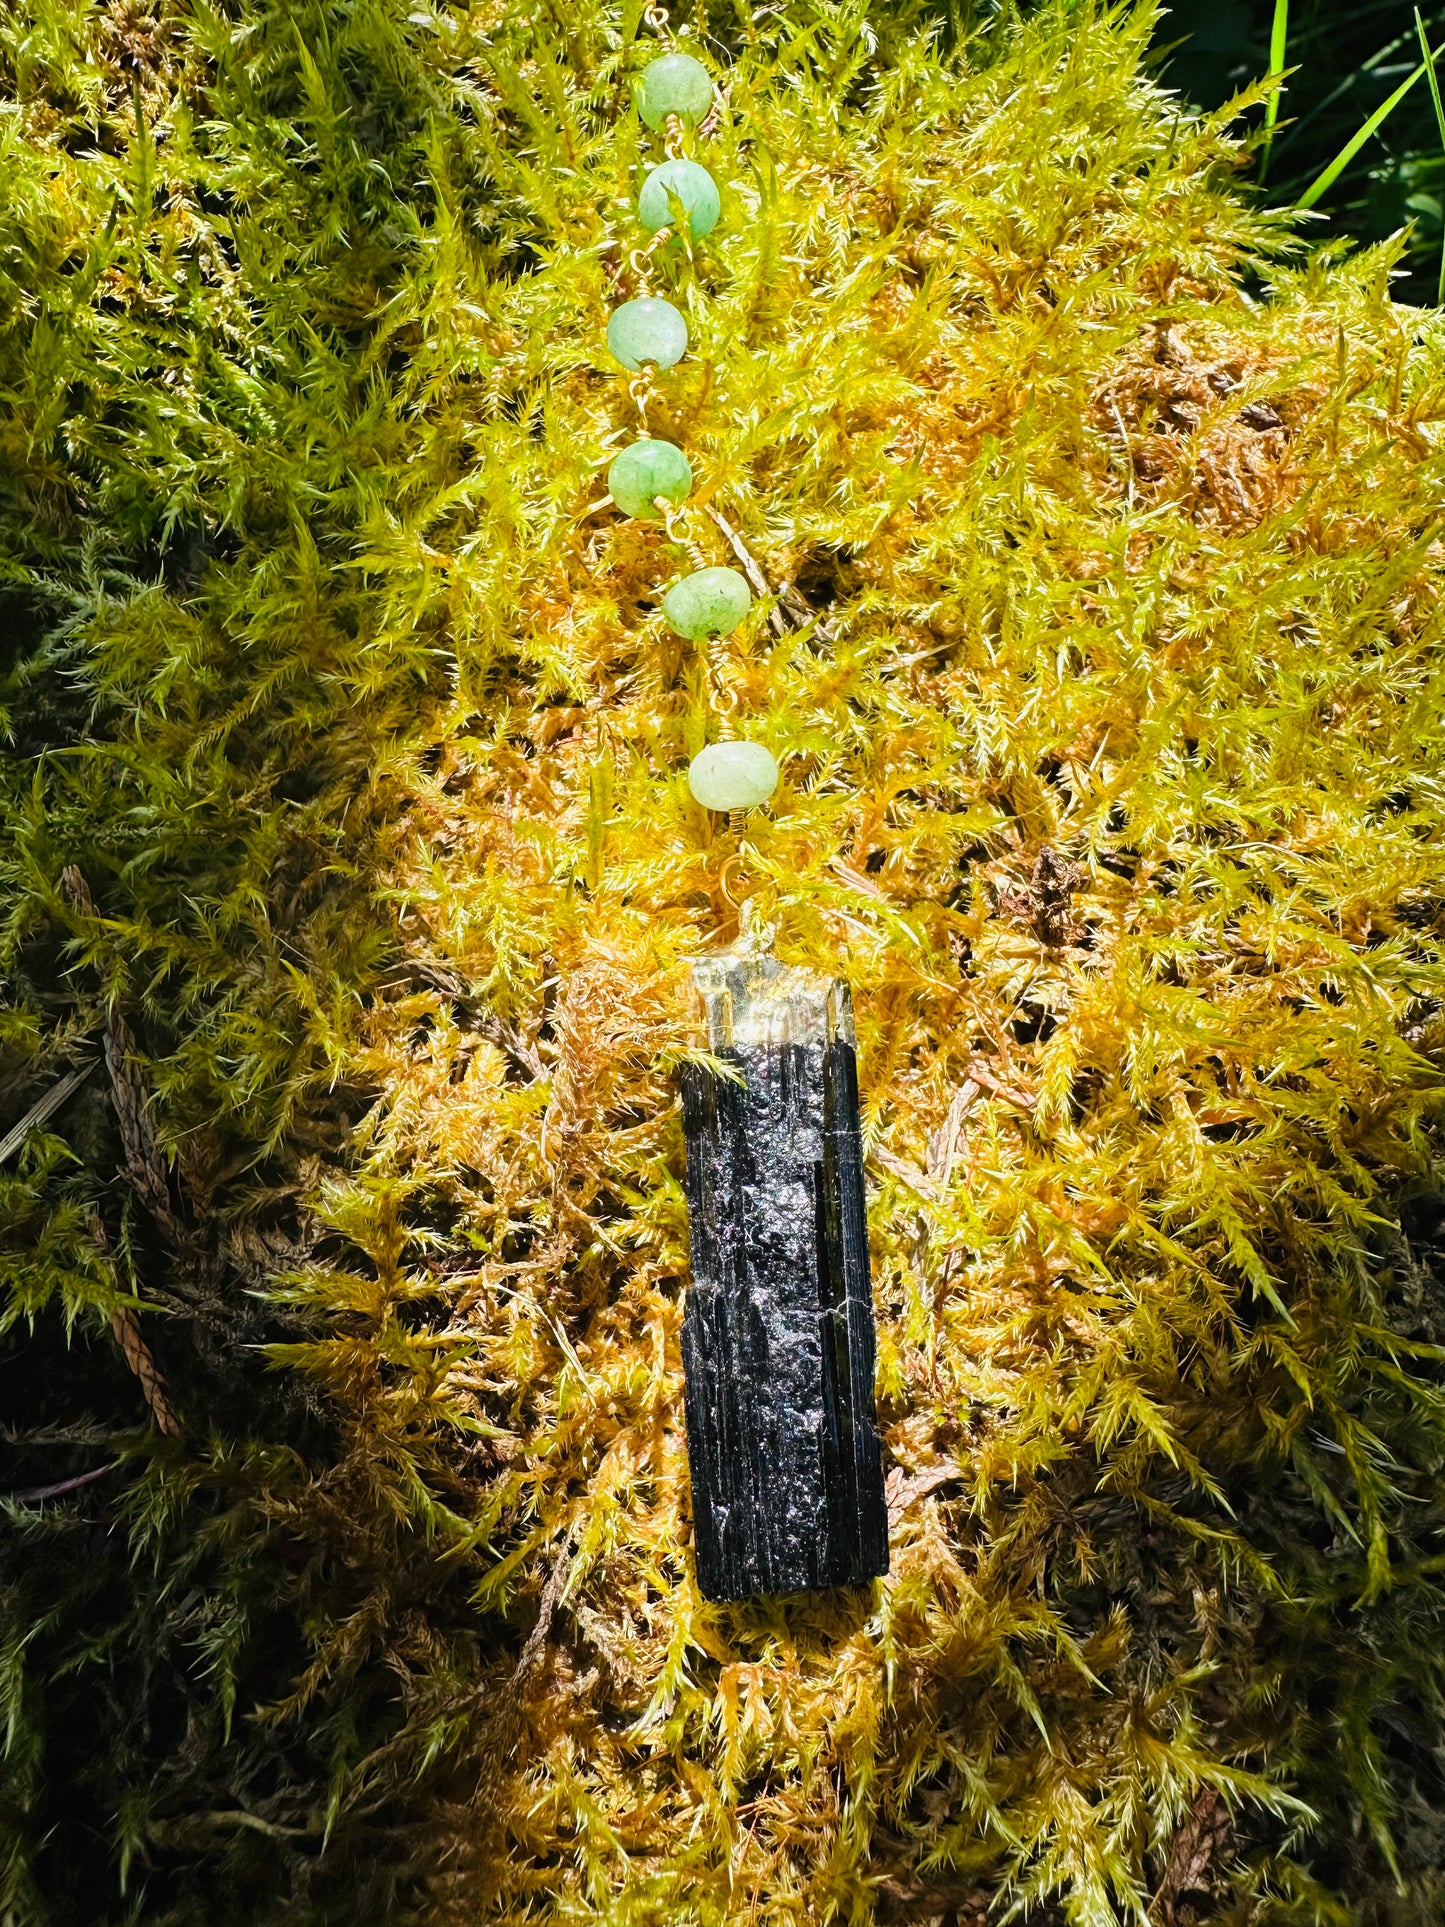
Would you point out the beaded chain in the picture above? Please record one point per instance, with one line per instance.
(651, 478)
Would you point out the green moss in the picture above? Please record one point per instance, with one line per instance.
(1100, 655)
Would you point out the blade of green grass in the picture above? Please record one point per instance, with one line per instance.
(1278, 41)
(1440, 123)
(1325, 181)
(1311, 114)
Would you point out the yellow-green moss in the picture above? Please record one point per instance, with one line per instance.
(1105, 681)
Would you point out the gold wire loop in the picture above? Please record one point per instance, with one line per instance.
(734, 862)
(640, 259)
(725, 702)
(676, 132)
(640, 389)
(656, 18)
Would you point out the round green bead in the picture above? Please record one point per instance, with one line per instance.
(647, 469)
(693, 186)
(708, 603)
(647, 329)
(676, 84)
(732, 776)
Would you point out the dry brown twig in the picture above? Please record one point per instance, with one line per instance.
(144, 1163)
(45, 1107)
(37, 1494)
(787, 596)
(943, 1145)
(531, 1655)
(1053, 883)
(503, 1723)
(147, 1172)
(512, 1044)
(1045, 902)
(903, 1489)
(907, 1173)
(126, 1327)
(1200, 1837)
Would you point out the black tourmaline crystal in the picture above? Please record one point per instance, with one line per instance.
(777, 1342)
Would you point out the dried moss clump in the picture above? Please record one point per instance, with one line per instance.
(344, 832)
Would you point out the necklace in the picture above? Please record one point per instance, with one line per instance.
(778, 1336)
(679, 202)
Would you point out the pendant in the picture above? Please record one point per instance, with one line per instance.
(778, 1338)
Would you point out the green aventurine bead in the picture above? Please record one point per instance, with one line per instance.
(647, 329)
(676, 84)
(708, 603)
(732, 776)
(693, 186)
(646, 469)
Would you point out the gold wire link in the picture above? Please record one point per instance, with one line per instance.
(672, 520)
(640, 259)
(656, 18)
(724, 875)
(724, 701)
(676, 134)
(641, 390)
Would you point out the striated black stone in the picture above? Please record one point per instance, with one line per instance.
(778, 1338)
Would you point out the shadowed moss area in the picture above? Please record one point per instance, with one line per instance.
(345, 1568)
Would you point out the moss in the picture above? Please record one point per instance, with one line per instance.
(1102, 665)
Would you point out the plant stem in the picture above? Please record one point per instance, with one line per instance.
(1440, 124)
(1278, 41)
(1326, 180)
(1376, 60)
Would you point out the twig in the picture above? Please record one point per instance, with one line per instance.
(506, 1039)
(1200, 1837)
(940, 1896)
(856, 880)
(504, 1722)
(486, 1023)
(901, 1169)
(1010, 1093)
(126, 1327)
(45, 1107)
(144, 1162)
(902, 1490)
(1128, 451)
(531, 1653)
(751, 569)
(39, 1492)
(943, 1145)
(788, 596)
(239, 1817)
